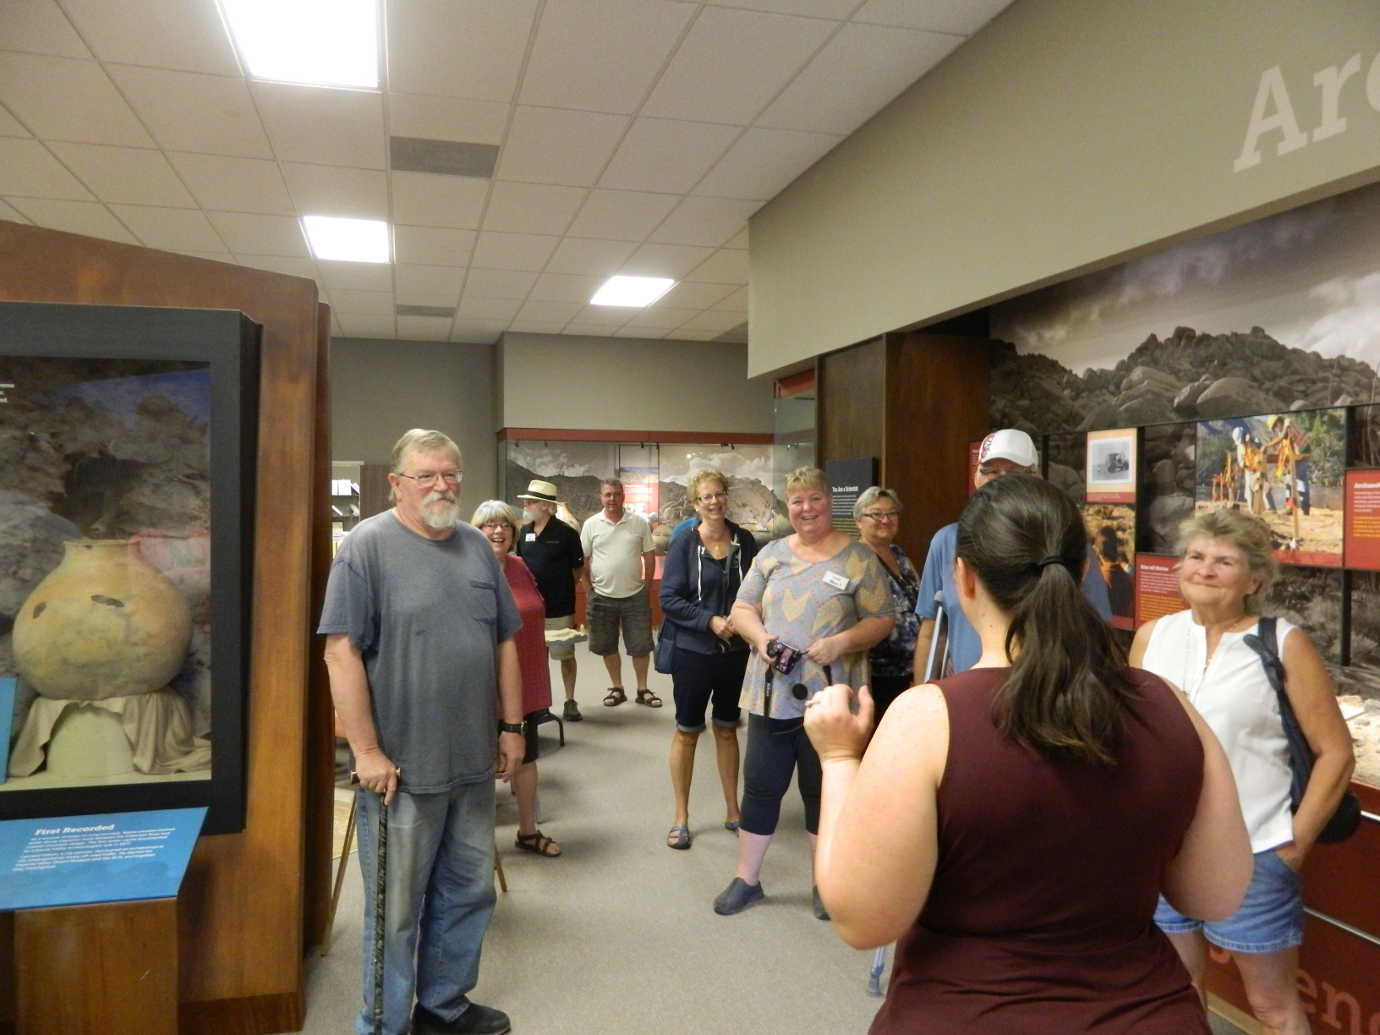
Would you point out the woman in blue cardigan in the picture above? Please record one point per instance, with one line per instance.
(705, 564)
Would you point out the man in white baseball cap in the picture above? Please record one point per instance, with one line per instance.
(1008, 451)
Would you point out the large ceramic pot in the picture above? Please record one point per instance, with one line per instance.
(103, 623)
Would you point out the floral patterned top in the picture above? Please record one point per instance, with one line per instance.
(895, 656)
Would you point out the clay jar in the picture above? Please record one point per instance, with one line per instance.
(103, 623)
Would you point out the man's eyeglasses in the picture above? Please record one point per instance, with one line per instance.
(880, 515)
(712, 497)
(449, 477)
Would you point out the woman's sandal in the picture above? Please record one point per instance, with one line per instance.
(539, 844)
(678, 837)
(648, 698)
(614, 697)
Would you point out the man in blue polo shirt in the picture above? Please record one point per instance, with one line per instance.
(1008, 451)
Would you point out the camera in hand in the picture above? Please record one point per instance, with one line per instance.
(782, 656)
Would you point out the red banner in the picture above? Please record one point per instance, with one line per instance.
(1157, 586)
(1361, 523)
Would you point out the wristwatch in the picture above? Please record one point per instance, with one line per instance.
(509, 727)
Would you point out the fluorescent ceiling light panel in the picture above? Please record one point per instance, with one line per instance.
(347, 240)
(316, 42)
(631, 292)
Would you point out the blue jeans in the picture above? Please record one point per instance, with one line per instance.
(440, 899)
(1270, 918)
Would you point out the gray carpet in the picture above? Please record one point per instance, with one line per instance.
(618, 934)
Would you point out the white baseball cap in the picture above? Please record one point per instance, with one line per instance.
(1009, 444)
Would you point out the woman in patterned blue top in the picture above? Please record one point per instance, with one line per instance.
(878, 515)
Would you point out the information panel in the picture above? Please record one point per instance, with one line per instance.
(1157, 586)
(1362, 523)
(74, 860)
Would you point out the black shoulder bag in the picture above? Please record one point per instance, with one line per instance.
(1348, 815)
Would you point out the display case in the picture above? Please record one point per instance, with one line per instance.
(126, 502)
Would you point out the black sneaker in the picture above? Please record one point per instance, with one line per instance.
(820, 912)
(571, 711)
(737, 896)
(477, 1019)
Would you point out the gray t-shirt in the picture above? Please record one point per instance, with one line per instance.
(427, 615)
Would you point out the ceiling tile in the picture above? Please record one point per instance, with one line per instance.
(513, 251)
(334, 190)
(877, 63)
(565, 287)
(255, 234)
(234, 184)
(357, 276)
(764, 162)
(704, 221)
(364, 325)
(614, 315)
(424, 328)
(61, 99)
(75, 217)
(598, 258)
(732, 63)
(348, 300)
(458, 48)
(425, 199)
(836, 9)
(548, 145)
(494, 309)
(157, 33)
(538, 326)
(738, 240)
(661, 155)
(665, 260)
(713, 321)
(506, 284)
(726, 266)
(622, 215)
(687, 295)
(209, 256)
(433, 246)
(447, 118)
(171, 229)
(659, 317)
(332, 127)
(601, 55)
(27, 168)
(284, 264)
(734, 303)
(125, 174)
(10, 127)
(548, 312)
(428, 285)
(41, 27)
(478, 332)
(8, 211)
(532, 208)
(958, 16)
(205, 114)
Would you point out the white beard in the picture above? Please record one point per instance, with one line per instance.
(437, 518)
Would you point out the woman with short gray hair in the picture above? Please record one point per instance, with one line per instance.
(877, 513)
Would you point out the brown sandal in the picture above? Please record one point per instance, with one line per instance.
(648, 698)
(538, 843)
(614, 697)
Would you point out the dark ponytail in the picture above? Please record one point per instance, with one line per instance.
(1025, 540)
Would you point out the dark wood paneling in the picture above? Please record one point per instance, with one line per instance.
(93, 970)
(241, 906)
(247, 1016)
(937, 401)
(851, 393)
(373, 489)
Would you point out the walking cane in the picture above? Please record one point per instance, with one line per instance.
(380, 907)
(932, 672)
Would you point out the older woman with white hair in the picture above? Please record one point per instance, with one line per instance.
(500, 523)
(877, 513)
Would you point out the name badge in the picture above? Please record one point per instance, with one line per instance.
(530, 537)
(836, 580)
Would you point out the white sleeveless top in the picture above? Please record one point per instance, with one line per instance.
(1234, 697)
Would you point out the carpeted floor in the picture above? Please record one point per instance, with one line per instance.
(618, 934)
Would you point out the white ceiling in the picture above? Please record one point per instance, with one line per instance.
(635, 136)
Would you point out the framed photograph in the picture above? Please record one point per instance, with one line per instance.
(1111, 466)
(128, 437)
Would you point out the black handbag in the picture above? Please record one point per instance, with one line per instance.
(1347, 818)
(665, 646)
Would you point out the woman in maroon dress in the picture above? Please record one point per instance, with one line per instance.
(1014, 824)
(500, 523)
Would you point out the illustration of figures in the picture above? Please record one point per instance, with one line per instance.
(1293, 456)
(1254, 474)
(1224, 483)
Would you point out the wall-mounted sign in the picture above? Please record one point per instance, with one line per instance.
(1157, 586)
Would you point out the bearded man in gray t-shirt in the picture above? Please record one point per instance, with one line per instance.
(419, 627)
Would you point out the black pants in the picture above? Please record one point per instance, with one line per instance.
(886, 689)
(774, 748)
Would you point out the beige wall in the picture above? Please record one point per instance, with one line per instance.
(1066, 135)
(550, 381)
(379, 389)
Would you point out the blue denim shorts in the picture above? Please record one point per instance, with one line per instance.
(1270, 918)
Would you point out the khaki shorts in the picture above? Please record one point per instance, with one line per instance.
(561, 651)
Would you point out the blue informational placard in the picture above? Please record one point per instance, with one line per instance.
(74, 860)
(7, 690)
